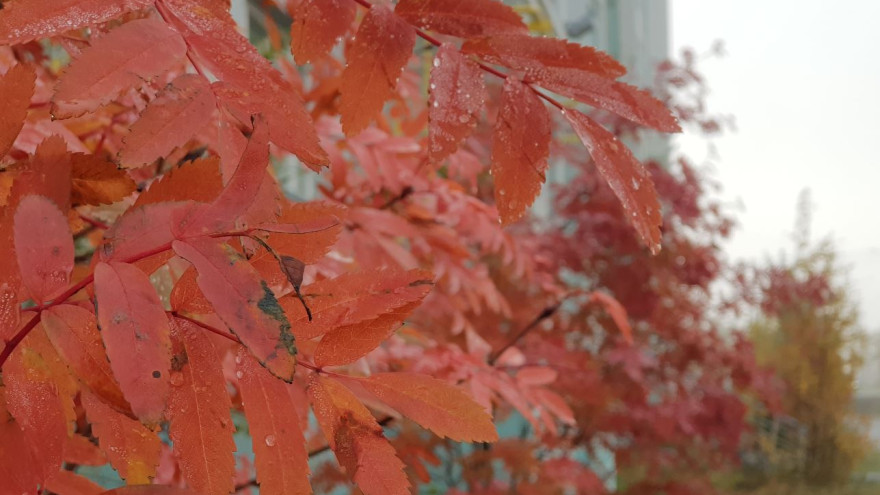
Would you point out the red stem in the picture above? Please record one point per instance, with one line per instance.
(93, 222)
(491, 70)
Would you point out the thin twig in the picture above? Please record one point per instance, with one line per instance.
(547, 313)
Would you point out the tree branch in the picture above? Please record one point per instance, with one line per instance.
(547, 313)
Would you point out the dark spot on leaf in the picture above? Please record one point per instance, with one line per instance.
(157, 374)
(269, 305)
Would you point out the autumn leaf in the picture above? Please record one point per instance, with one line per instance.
(20, 467)
(617, 312)
(34, 399)
(239, 193)
(539, 57)
(376, 58)
(181, 111)
(200, 426)
(254, 85)
(625, 175)
(16, 91)
(136, 334)
(96, 181)
(21, 22)
(318, 25)
(520, 148)
(48, 173)
(355, 298)
(462, 18)
(279, 445)
(434, 404)
(136, 51)
(44, 247)
(69, 483)
(143, 229)
(148, 490)
(356, 439)
(243, 302)
(74, 333)
(132, 449)
(456, 98)
(198, 181)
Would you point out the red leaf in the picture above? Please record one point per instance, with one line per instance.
(462, 18)
(44, 247)
(25, 21)
(356, 439)
(136, 334)
(540, 56)
(620, 98)
(317, 26)
(617, 312)
(19, 467)
(375, 59)
(312, 246)
(16, 91)
(96, 181)
(137, 51)
(243, 302)
(239, 193)
(74, 333)
(198, 181)
(356, 298)
(253, 84)
(349, 343)
(198, 410)
(625, 175)
(132, 449)
(186, 297)
(33, 398)
(68, 483)
(456, 98)
(182, 110)
(141, 230)
(520, 148)
(48, 174)
(279, 446)
(434, 404)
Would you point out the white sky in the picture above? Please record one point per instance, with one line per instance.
(802, 79)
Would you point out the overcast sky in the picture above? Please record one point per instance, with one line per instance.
(802, 79)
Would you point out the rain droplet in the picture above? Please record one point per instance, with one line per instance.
(176, 379)
(270, 440)
(436, 62)
(239, 374)
(636, 184)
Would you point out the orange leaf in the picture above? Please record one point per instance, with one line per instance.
(539, 56)
(520, 147)
(434, 404)
(139, 50)
(141, 229)
(74, 333)
(44, 247)
(375, 59)
(198, 181)
(19, 466)
(349, 343)
(456, 98)
(239, 193)
(198, 410)
(354, 298)
(317, 25)
(625, 175)
(243, 302)
(16, 90)
(462, 18)
(180, 111)
(21, 22)
(33, 398)
(253, 84)
(96, 181)
(136, 334)
(309, 247)
(617, 312)
(356, 439)
(279, 445)
(48, 173)
(68, 483)
(132, 449)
